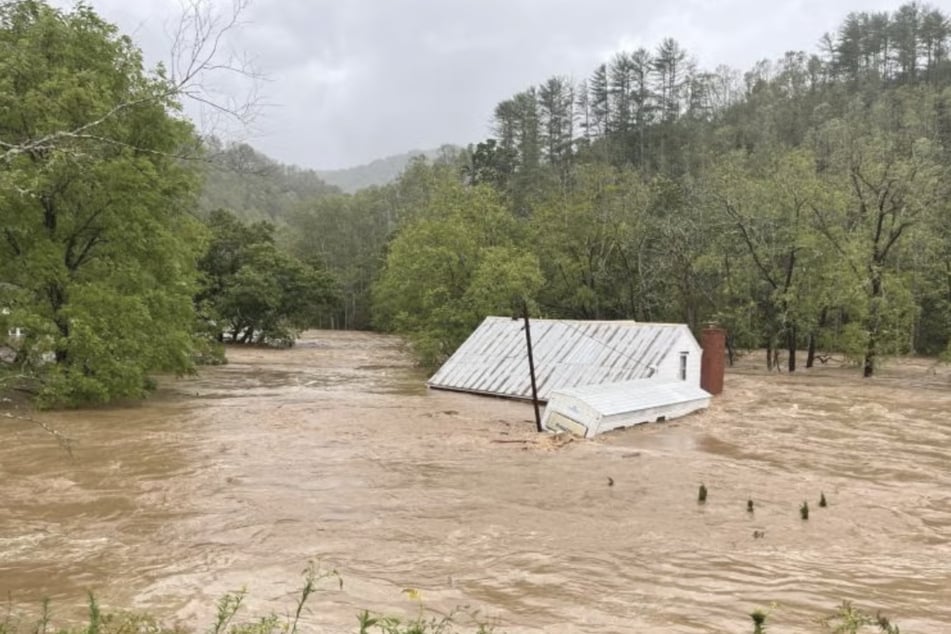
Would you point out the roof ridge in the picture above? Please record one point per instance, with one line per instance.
(631, 322)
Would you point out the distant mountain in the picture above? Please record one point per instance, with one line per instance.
(255, 186)
(380, 171)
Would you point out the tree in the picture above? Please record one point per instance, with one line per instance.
(98, 251)
(556, 111)
(767, 201)
(935, 31)
(591, 240)
(197, 54)
(620, 90)
(671, 72)
(253, 291)
(456, 262)
(643, 98)
(905, 26)
(600, 102)
(892, 182)
(671, 68)
(491, 164)
(348, 234)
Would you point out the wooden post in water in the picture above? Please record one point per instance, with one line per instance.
(531, 366)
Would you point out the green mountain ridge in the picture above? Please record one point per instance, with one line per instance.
(255, 186)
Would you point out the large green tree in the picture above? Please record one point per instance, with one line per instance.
(458, 260)
(98, 251)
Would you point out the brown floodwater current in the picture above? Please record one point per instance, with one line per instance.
(335, 451)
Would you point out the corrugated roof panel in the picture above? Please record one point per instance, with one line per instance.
(493, 360)
(631, 396)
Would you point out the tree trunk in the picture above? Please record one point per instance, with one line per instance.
(57, 297)
(874, 324)
(791, 341)
(814, 337)
(871, 351)
(811, 354)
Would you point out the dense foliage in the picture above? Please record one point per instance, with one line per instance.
(97, 260)
(102, 258)
(455, 262)
(253, 292)
(803, 204)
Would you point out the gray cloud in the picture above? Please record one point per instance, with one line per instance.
(354, 80)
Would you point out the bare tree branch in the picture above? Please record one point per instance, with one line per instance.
(197, 55)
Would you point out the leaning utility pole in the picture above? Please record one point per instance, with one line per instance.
(531, 366)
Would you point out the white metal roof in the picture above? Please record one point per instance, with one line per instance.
(493, 360)
(631, 396)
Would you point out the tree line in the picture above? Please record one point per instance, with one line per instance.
(802, 204)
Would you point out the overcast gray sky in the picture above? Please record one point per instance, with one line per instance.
(354, 80)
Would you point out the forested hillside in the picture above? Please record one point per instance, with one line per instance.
(253, 186)
(802, 203)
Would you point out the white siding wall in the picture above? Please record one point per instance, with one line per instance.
(669, 368)
(649, 415)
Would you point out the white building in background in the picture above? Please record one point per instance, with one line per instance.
(13, 333)
(653, 370)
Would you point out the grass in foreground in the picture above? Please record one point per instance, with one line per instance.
(847, 619)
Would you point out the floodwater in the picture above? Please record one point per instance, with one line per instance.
(334, 451)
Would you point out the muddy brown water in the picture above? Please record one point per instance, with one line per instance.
(334, 451)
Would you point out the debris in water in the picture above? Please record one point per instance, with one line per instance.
(543, 442)
(759, 534)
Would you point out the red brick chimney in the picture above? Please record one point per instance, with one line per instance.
(713, 342)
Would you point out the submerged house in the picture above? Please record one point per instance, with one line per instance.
(577, 360)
